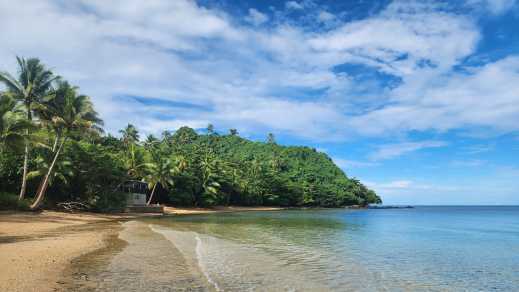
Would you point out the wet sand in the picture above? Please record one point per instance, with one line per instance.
(36, 248)
(140, 260)
(44, 251)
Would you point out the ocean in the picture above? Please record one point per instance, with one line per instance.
(441, 248)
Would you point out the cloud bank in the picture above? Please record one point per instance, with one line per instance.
(255, 73)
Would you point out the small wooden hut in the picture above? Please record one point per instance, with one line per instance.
(136, 200)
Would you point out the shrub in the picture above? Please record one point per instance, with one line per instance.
(10, 202)
(109, 201)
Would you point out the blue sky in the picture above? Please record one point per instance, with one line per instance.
(419, 100)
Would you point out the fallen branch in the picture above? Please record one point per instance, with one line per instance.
(74, 206)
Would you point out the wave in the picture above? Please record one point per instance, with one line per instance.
(202, 266)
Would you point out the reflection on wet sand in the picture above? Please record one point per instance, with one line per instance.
(139, 260)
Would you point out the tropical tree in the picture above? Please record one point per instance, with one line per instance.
(13, 125)
(151, 142)
(210, 129)
(130, 135)
(134, 161)
(68, 113)
(211, 174)
(62, 170)
(271, 139)
(33, 83)
(161, 171)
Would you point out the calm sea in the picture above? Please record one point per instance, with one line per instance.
(420, 249)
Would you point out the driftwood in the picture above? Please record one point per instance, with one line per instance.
(74, 206)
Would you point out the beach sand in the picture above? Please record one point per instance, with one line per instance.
(226, 209)
(37, 248)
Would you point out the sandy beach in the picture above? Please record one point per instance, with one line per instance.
(227, 209)
(36, 248)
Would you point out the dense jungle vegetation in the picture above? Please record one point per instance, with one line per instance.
(53, 149)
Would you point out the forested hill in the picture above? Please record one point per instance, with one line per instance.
(52, 150)
(228, 169)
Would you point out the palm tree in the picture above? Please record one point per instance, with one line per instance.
(135, 162)
(33, 83)
(12, 124)
(150, 142)
(130, 135)
(161, 171)
(62, 170)
(210, 129)
(210, 176)
(271, 139)
(68, 114)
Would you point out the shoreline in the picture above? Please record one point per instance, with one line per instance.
(37, 249)
(215, 210)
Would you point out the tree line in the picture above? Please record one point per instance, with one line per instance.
(53, 149)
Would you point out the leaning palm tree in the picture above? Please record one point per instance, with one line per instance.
(62, 170)
(161, 171)
(33, 83)
(68, 114)
(13, 125)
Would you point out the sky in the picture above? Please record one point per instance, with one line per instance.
(419, 100)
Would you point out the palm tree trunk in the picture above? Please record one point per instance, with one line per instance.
(23, 189)
(56, 140)
(41, 194)
(151, 195)
(25, 170)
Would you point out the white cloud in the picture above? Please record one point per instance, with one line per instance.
(406, 186)
(401, 38)
(478, 149)
(255, 17)
(494, 6)
(151, 126)
(293, 5)
(389, 151)
(325, 16)
(484, 97)
(404, 191)
(468, 163)
(347, 164)
(256, 78)
(397, 184)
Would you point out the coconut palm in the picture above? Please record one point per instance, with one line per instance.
(151, 142)
(233, 132)
(134, 161)
(210, 176)
(68, 113)
(161, 171)
(271, 139)
(62, 170)
(13, 125)
(33, 83)
(130, 135)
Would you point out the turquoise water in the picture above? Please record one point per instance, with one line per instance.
(426, 248)
(421, 249)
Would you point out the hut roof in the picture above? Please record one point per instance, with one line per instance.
(134, 186)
